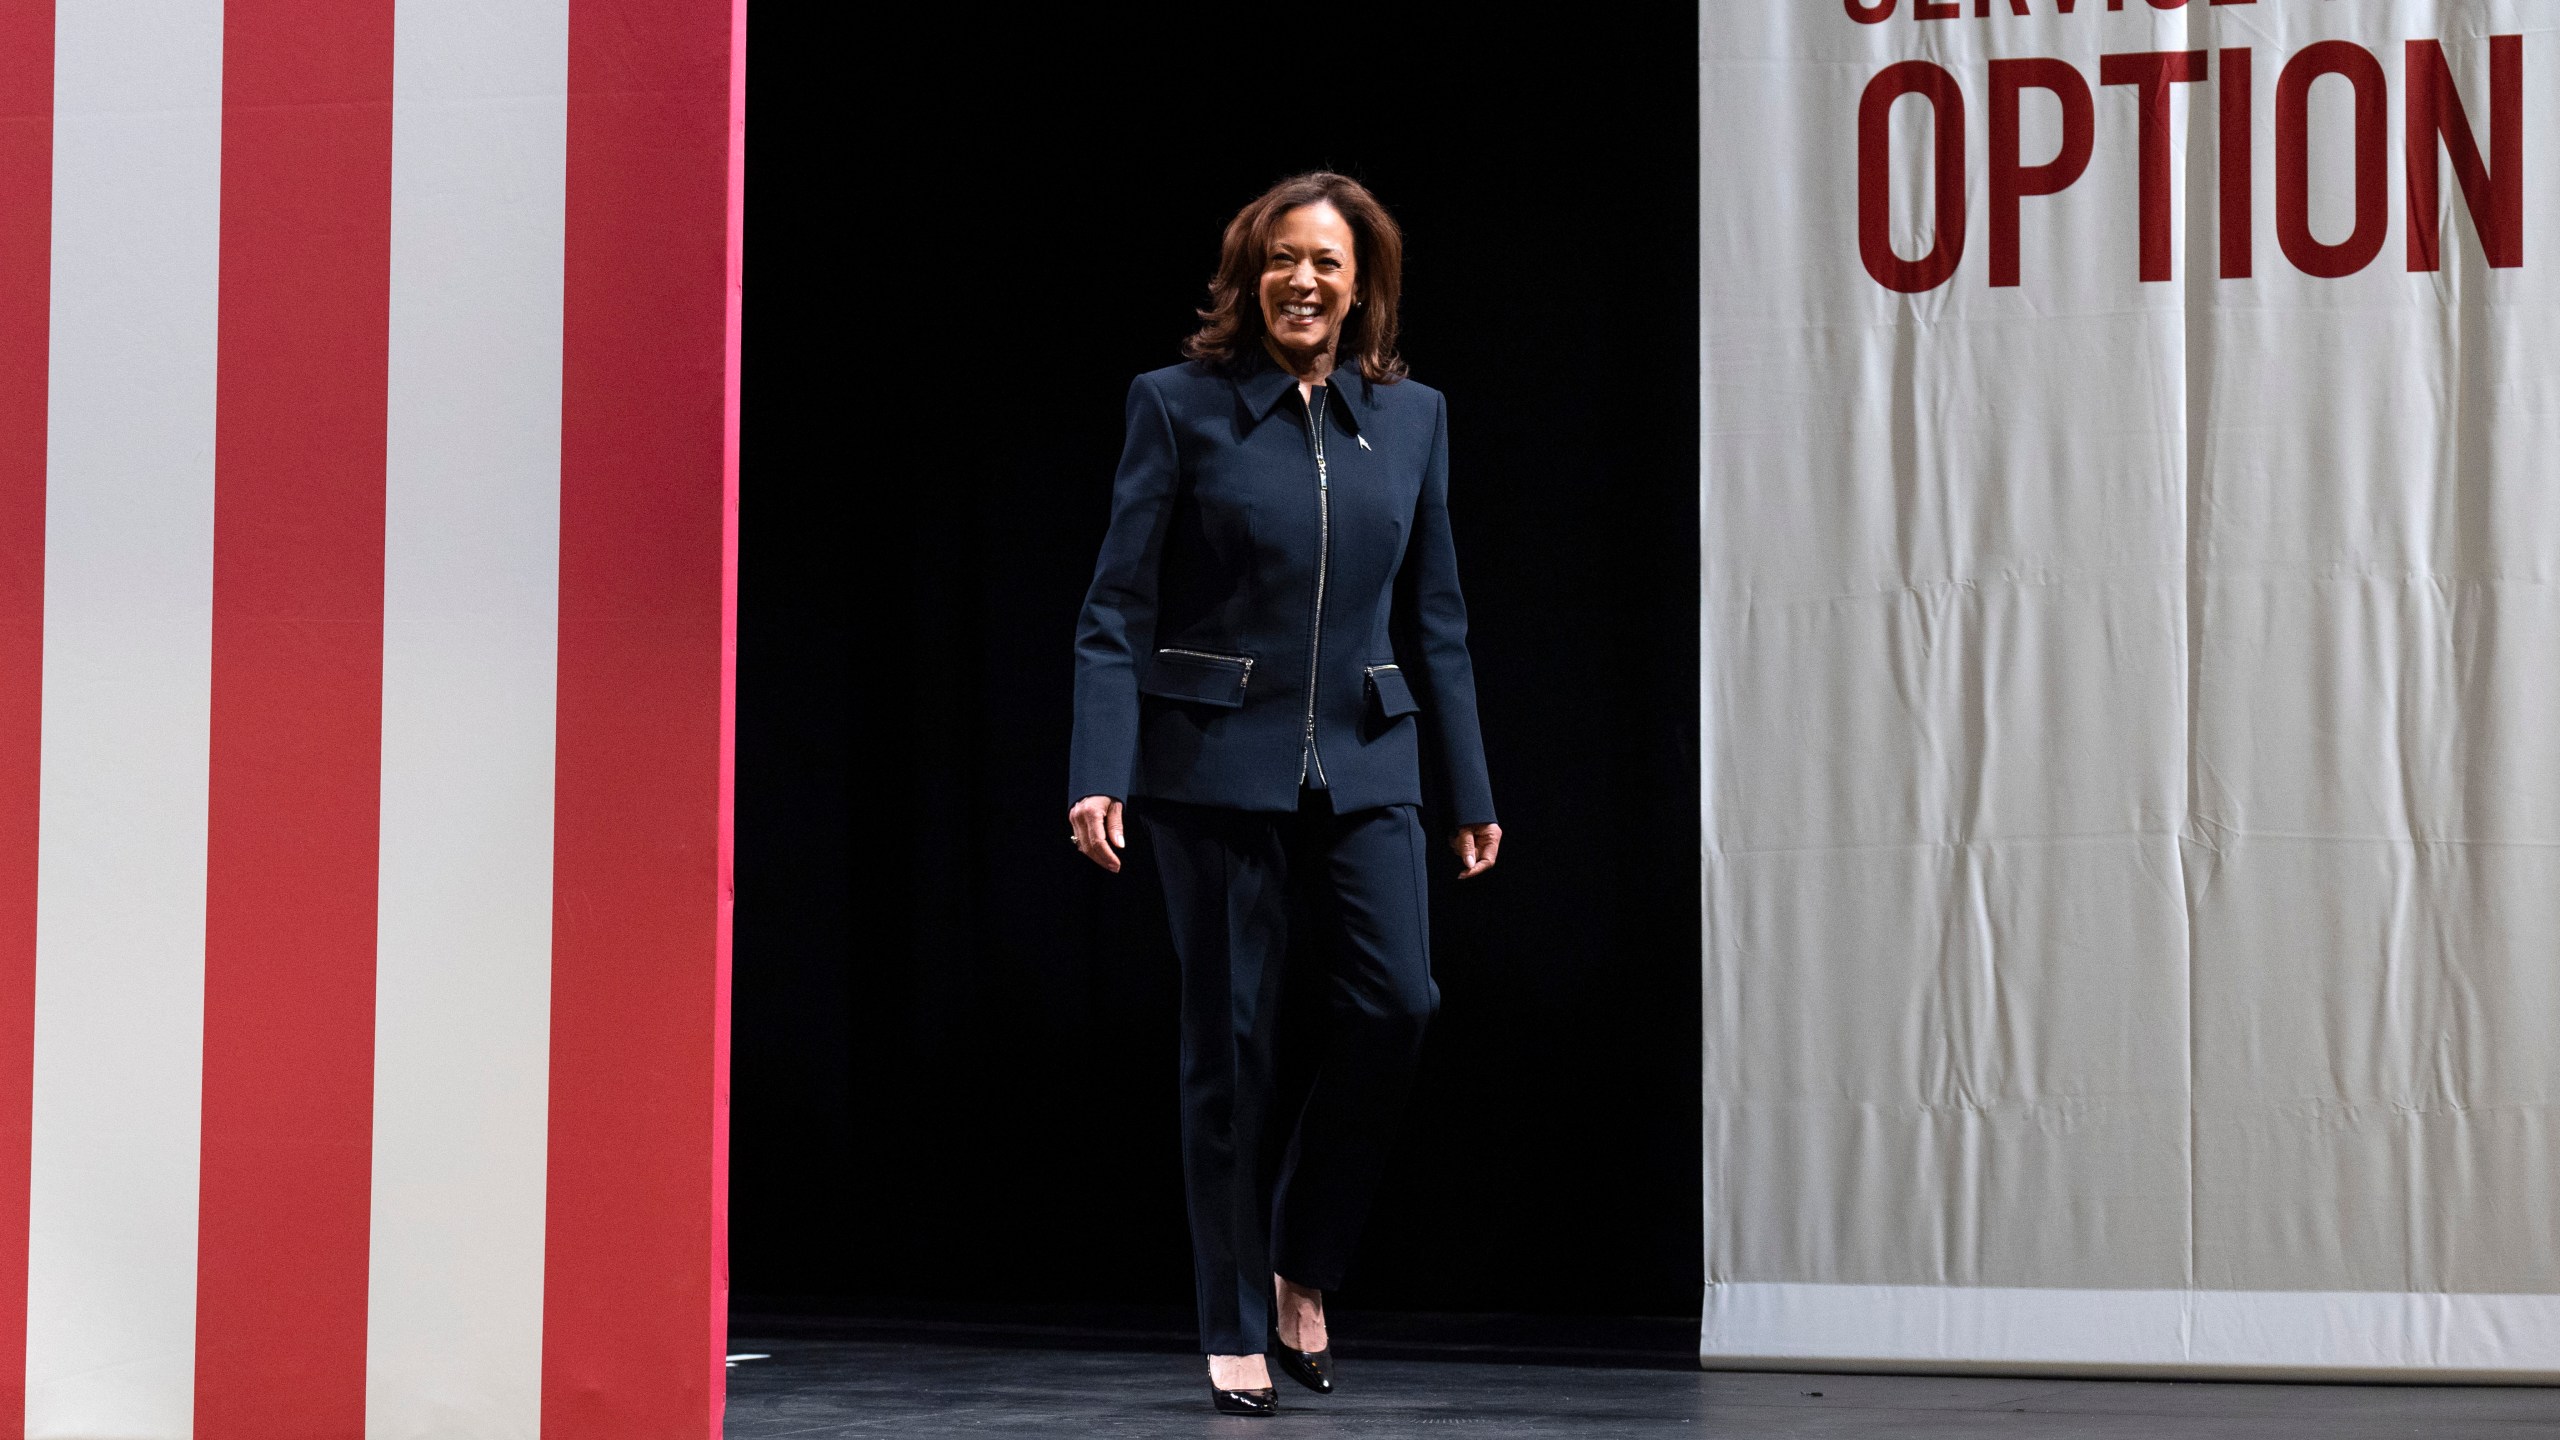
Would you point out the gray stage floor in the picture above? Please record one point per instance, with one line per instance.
(812, 1389)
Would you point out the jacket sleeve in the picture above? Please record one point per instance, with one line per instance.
(1118, 625)
(1433, 617)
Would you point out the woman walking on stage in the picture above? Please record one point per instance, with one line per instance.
(1273, 641)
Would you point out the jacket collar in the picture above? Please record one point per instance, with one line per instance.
(1262, 385)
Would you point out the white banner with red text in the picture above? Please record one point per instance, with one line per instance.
(2131, 685)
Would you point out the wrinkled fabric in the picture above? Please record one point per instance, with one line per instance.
(2130, 716)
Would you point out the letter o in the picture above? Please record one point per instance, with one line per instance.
(1875, 176)
(1870, 12)
(2293, 159)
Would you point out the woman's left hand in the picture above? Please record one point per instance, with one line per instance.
(1476, 845)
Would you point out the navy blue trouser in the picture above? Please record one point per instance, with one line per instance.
(1232, 880)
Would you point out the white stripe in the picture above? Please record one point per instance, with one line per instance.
(2238, 1334)
(128, 636)
(470, 640)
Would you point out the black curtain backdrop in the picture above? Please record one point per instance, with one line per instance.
(955, 1043)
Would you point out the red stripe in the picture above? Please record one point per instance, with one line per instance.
(632, 1273)
(26, 292)
(734, 276)
(297, 719)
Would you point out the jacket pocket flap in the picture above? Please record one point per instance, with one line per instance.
(1198, 677)
(1393, 696)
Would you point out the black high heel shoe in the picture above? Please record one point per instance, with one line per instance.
(1265, 1401)
(1311, 1368)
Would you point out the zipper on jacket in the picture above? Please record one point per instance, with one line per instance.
(1324, 556)
(1244, 660)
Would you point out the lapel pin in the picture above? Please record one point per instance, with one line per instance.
(1363, 439)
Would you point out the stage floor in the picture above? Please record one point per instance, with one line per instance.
(813, 1389)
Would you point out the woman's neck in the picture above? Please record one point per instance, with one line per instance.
(1310, 368)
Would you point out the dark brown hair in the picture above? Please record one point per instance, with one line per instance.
(1231, 326)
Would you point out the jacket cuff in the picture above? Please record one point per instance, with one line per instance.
(1471, 805)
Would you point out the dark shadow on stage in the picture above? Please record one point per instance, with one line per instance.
(1668, 1342)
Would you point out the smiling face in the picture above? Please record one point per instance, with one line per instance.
(1309, 280)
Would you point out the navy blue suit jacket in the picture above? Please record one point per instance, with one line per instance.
(1204, 672)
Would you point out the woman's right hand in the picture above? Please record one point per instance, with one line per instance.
(1096, 822)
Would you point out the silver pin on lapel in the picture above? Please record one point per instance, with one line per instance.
(1363, 439)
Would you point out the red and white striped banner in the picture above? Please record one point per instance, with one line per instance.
(367, 478)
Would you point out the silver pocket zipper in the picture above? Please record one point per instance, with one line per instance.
(1244, 660)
